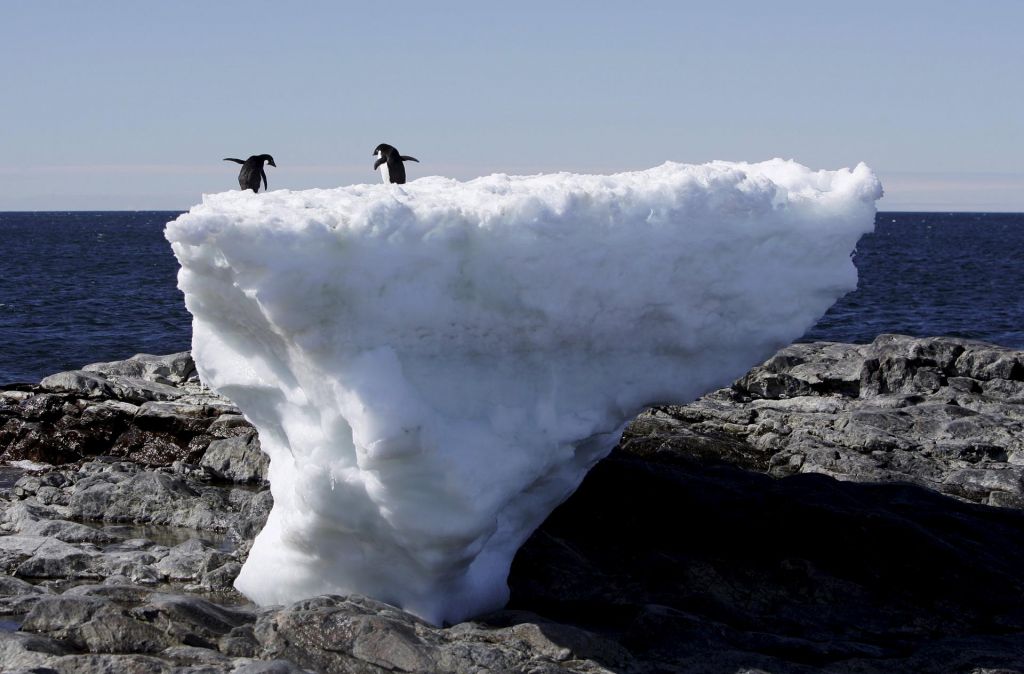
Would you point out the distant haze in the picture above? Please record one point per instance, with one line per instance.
(129, 105)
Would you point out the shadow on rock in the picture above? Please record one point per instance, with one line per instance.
(703, 567)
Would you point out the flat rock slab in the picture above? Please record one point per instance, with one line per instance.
(944, 413)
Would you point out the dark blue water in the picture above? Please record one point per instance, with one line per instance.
(81, 287)
(77, 288)
(924, 274)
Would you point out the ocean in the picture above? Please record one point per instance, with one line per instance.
(83, 287)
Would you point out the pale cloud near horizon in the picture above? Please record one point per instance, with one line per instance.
(904, 190)
(983, 192)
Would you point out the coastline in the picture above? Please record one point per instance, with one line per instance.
(802, 518)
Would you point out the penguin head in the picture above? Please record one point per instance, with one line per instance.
(267, 158)
(383, 151)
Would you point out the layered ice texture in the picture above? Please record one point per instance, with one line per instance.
(433, 367)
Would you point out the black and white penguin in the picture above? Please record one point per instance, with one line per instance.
(392, 170)
(252, 171)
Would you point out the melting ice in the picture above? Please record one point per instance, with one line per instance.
(434, 367)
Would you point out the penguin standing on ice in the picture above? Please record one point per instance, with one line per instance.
(252, 171)
(392, 170)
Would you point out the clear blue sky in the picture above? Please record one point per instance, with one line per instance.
(132, 104)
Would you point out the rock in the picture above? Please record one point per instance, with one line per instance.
(58, 615)
(68, 532)
(146, 496)
(151, 409)
(190, 620)
(191, 560)
(714, 568)
(716, 538)
(355, 634)
(237, 459)
(269, 667)
(140, 391)
(28, 652)
(230, 424)
(79, 381)
(251, 518)
(923, 410)
(221, 578)
(17, 596)
(175, 368)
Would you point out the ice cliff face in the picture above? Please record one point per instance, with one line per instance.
(434, 367)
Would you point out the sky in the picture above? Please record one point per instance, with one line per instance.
(111, 105)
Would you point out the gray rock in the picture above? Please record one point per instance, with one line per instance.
(139, 391)
(237, 459)
(191, 560)
(68, 532)
(193, 655)
(230, 424)
(355, 634)
(17, 596)
(221, 578)
(146, 497)
(175, 368)
(933, 411)
(59, 615)
(27, 651)
(38, 556)
(269, 667)
(79, 381)
(191, 620)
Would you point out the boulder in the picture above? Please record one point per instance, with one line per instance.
(237, 459)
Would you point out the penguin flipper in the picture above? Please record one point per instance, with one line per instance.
(377, 163)
(404, 158)
(264, 175)
(237, 161)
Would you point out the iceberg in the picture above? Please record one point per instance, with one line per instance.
(433, 367)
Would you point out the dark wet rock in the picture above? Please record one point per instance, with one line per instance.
(150, 409)
(237, 459)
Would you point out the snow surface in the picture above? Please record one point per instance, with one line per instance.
(434, 367)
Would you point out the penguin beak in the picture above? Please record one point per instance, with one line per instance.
(271, 162)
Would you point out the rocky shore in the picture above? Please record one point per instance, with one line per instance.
(841, 508)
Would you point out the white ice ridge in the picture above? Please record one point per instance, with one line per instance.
(433, 367)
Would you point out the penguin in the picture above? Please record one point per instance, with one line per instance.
(252, 171)
(392, 170)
